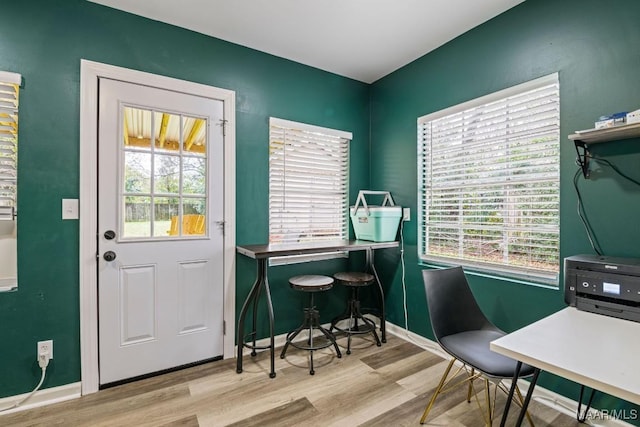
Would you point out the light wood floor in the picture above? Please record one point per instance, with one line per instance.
(374, 386)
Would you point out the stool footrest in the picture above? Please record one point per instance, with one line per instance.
(357, 323)
(251, 337)
(364, 328)
(303, 346)
(256, 347)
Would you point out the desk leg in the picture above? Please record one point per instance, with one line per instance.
(370, 266)
(251, 297)
(272, 374)
(512, 389)
(527, 399)
(525, 404)
(254, 319)
(254, 294)
(582, 416)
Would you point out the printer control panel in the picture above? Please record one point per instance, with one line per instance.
(618, 287)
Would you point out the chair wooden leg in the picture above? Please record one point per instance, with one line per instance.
(437, 391)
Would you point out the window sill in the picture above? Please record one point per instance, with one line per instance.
(505, 277)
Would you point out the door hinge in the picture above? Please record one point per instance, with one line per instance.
(224, 126)
(224, 327)
(220, 225)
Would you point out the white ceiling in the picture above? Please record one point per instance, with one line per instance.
(361, 39)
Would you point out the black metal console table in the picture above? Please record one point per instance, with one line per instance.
(261, 253)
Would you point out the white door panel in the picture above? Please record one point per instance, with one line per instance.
(160, 184)
(192, 298)
(137, 304)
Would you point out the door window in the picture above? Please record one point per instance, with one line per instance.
(164, 175)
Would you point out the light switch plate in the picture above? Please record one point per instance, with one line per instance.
(70, 209)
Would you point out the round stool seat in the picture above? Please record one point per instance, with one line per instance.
(311, 283)
(354, 278)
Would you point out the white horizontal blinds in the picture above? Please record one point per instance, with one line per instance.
(308, 183)
(9, 93)
(490, 183)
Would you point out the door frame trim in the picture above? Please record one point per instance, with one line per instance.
(90, 72)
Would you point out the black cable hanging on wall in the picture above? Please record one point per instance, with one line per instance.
(595, 245)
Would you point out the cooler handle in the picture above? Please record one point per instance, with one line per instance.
(361, 198)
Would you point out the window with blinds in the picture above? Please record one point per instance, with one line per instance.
(489, 183)
(9, 92)
(308, 182)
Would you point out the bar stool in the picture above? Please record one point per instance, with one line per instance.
(355, 281)
(311, 284)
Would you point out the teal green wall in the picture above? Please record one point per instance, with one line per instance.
(44, 40)
(594, 46)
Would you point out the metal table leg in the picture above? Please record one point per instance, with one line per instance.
(580, 415)
(525, 405)
(512, 389)
(527, 399)
(272, 374)
(254, 294)
(255, 289)
(254, 322)
(370, 266)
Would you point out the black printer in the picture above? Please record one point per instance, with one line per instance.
(603, 285)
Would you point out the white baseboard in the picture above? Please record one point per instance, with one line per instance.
(44, 397)
(540, 394)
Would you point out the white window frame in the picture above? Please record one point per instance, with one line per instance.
(473, 143)
(280, 200)
(9, 100)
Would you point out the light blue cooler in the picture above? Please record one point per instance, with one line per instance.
(375, 223)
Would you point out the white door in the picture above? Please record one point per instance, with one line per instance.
(160, 240)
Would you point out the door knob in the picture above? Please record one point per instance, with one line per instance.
(109, 256)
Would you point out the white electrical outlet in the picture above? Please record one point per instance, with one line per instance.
(406, 214)
(45, 349)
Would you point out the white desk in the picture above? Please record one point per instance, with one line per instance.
(594, 350)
